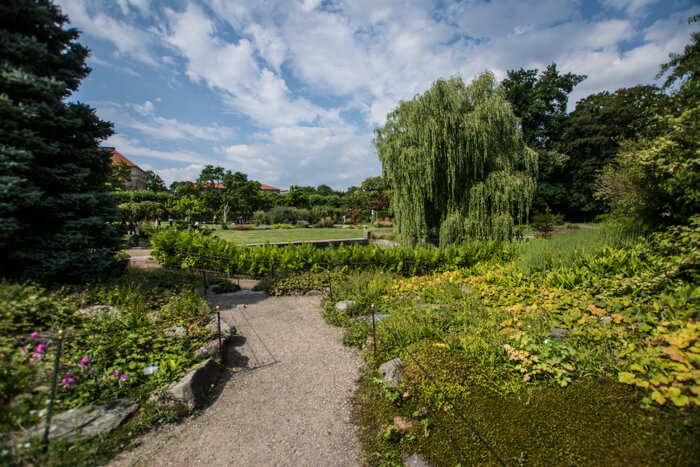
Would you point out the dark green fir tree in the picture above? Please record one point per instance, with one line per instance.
(56, 217)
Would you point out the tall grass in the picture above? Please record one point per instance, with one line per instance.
(548, 254)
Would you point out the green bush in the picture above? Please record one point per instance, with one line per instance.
(260, 217)
(185, 249)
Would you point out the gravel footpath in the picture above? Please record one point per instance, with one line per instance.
(286, 400)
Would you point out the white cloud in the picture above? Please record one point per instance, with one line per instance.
(337, 156)
(130, 41)
(134, 149)
(160, 128)
(303, 82)
(179, 174)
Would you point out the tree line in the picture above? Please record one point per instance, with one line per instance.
(474, 161)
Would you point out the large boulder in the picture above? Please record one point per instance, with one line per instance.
(193, 389)
(415, 460)
(85, 421)
(392, 372)
(100, 312)
(226, 329)
(344, 305)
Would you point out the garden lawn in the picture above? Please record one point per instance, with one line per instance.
(244, 237)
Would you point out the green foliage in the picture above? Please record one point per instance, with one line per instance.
(119, 176)
(55, 212)
(138, 196)
(186, 249)
(457, 149)
(546, 222)
(145, 210)
(540, 255)
(596, 132)
(96, 351)
(154, 183)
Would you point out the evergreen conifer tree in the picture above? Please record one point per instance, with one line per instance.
(55, 213)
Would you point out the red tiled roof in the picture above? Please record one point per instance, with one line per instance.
(268, 187)
(118, 157)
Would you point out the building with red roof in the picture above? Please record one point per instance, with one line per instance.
(137, 176)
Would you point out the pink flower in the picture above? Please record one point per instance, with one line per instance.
(84, 362)
(214, 342)
(35, 335)
(68, 381)
(36, 356)
(60, 367)
(24, 350)
(116, 372)
(124, 377)
(42, 348)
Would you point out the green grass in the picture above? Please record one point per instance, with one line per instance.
(244, 237)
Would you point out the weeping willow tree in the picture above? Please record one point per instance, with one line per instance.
(457, 162)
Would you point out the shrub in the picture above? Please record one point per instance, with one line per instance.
(545, 222)
(324, 223)
(182, 249)
(283, 215)
(260, 217)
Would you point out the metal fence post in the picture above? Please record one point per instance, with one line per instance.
(218, 325)
(374, 335)
(53, 390)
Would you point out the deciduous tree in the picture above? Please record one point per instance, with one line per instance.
(457, 154)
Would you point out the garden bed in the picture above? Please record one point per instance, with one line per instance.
(114, 333)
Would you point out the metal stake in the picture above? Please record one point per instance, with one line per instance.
(374, 335)
(218, 324)
(53, 390)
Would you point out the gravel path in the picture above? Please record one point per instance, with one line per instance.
(285, 402)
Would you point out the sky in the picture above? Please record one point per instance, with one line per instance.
(289, 92)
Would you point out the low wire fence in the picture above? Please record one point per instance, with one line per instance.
(429, 401)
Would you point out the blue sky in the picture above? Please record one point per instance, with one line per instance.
(289, 91)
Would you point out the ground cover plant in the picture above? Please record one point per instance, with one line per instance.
(594, 362)
(104, 353)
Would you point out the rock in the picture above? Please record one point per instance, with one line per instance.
(344, 305)
(560, 333)
(100, 312)
(367, 319)
(193, 388)
(177, 331)
(313, 293)
(402, 423)
(214, 289)
(85, 421)
(226, 329)
(415, 460)
(605, 319)
(392, 371)
(164, 284)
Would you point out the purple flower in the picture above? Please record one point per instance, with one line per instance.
(24, 350)
(36, 356)
(214, 342)
(124, 377)
(84, 362)
(35, 335)
(68, 381)
(116, 372)
(60, 367)
(42, 348)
